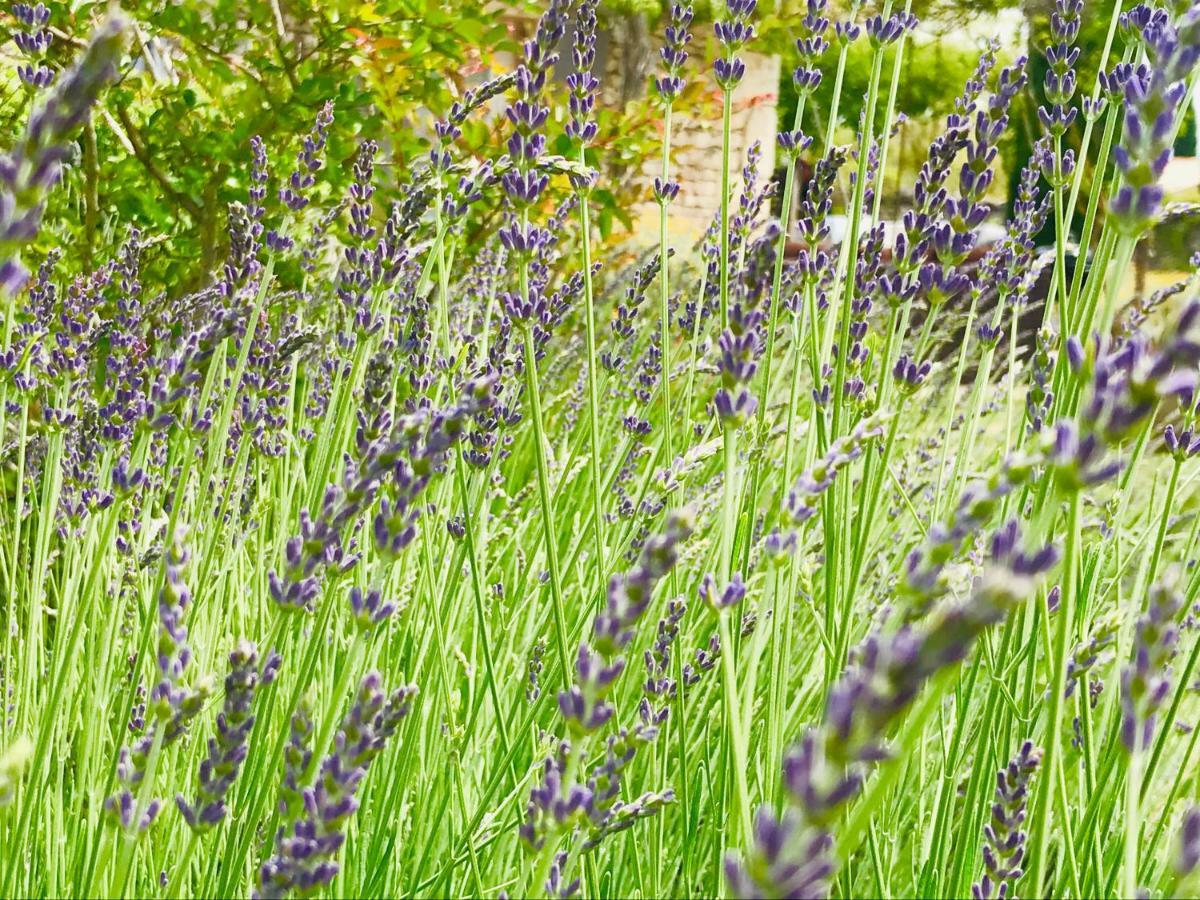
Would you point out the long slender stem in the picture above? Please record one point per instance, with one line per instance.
(1063, 628)
(550, 535)
(585, 227)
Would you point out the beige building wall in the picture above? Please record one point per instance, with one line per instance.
(697, 144)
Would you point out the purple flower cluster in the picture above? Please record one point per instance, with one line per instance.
(1005, 848)
(584, 706)
(582, 84)
(33, 39)
(883, 32)
(297, 757)
(623, 327)
(1145, 681)
(801, 503)
(734, 31)
(399, 463)
(557, 801)
(1057, 114)
(827, 769)
(811, 46)
(227, 749)
(1153, 98)
(674, 52)
(172, 704)
(294, 194)
(1182, 444)
(934, 282)
(923, 580)
(606, 813)
(954, 239)
(741, 343)
(660, 686)
(525, 182)
(369, 608)
(305, 854)
(788, 859)
(33, 166)
(170, 700)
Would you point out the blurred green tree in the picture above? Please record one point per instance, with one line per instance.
(172, 137)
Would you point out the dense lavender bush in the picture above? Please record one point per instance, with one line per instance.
(352, 548)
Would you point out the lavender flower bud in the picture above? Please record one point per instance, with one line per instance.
(674, 52)
(227, 749)
(582, 84)
(1145, 680)
(787, 859)
(369, 609)
(1004, 850)
(305, 855)
(553, 804)
(726, 598)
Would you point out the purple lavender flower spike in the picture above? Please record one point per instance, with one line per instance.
(826, 770)
(171, 703)
(606, 814)
(629, 595)
(1004, 849)
(227, 749)
(582, 84)
(399, 462)
(306, 851)
(734, 31)
(1145, 680)
(554, 803)
(533, 688)
(788, 859)
(297, 757)
(811, 46)
(741, 344)
(293, 194)
(1062, 54)
(800, 505)
(659, 684)
(1153, 98)
(524, 182)
(674, 52)
(1182, 444)
(33, 39)
(33, 166)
